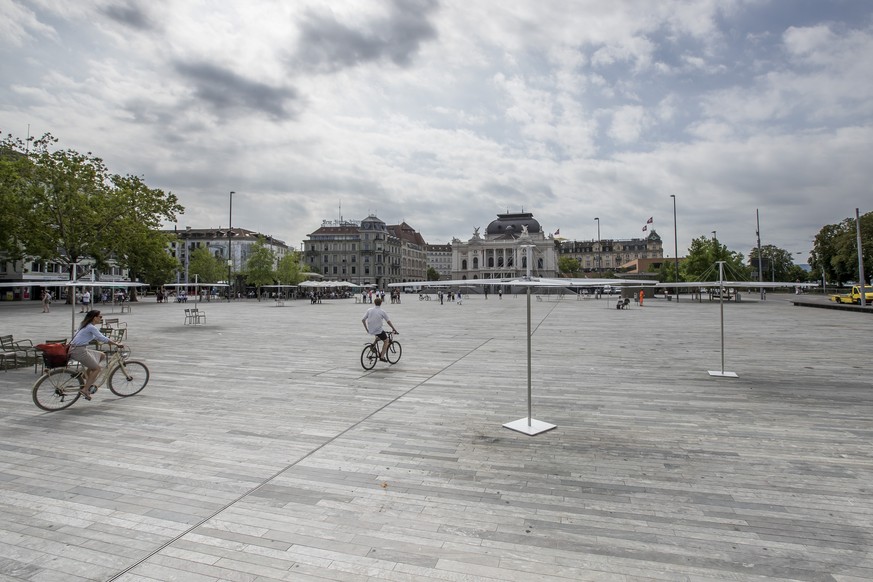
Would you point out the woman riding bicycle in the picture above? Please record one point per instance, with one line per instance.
(79, 351)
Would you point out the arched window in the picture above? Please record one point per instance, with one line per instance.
(475, 262)
(524, 262)
(539, 263)
(464, 265)
(490, 262)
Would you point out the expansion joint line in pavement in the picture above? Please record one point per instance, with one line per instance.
(545, 317)
(292, 465)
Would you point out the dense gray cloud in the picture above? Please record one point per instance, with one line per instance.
(327, 44)
(227, 93)
(130, 14)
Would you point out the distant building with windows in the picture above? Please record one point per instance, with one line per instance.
(366, 252)
(34, 274)
(216, 241)
(440, 258)
(502, 253)
(611, 254)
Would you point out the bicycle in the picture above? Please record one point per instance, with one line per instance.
(371, 352)
(57, 388)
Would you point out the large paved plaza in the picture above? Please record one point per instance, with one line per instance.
(261, 450)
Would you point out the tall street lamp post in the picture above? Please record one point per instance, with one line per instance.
(599, 249)
(675, 246)
(229, 249)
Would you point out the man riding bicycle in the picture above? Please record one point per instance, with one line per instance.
(372, 321)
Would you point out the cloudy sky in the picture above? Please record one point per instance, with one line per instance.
(444, 113)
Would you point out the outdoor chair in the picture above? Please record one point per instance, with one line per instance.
(199, 316)
(21, 348)
(189, 317)
(116, 325)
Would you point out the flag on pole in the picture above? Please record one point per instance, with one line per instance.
(649, 221)
(645, 228)
(557, 232)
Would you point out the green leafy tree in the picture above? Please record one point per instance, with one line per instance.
(432, 274)
(667, 271)
(259, 267)
(13, 164)
(207, 267)
(288, 270)
(777, 264)
(703, 254)
(150, 262)
(835, 250)
(569, 265)
(79, 210)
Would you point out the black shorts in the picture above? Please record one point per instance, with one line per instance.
(382, 335)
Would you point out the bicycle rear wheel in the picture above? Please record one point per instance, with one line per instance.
(58, 389)
(128, 379)
(394, 352)
(369, 357)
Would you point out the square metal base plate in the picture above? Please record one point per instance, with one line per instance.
(723, 374)
(529, 428)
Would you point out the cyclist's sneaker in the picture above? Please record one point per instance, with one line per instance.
(93, 389)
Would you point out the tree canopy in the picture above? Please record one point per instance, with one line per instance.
(569, 265)
(703, 254)
(259, 267)
(776, 265)
(77, 209)
(288, 271)
(207, 267)
(835, 250)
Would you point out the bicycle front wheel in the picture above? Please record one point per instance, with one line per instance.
(369, 357)
(128, 379)
(57, 389)
(394, 352)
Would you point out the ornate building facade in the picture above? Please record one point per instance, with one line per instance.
(502, 253)
(608, 254)
(366, 252)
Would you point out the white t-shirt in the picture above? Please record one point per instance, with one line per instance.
(374, 318)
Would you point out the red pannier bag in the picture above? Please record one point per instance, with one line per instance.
(54, 355)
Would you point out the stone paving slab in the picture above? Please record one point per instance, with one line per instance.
(261, 450)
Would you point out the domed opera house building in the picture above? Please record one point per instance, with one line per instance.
(502, 253)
